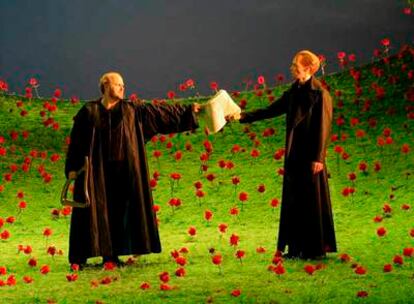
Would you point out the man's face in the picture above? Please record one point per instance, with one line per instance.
(115, 87)
(299, 71)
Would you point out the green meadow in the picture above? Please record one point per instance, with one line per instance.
(371, 165)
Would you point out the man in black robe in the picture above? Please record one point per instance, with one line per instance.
(112, 133)
(306, 221)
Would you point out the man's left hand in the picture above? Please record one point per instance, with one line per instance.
(317, 167)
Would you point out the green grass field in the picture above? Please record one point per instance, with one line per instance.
(377, 130)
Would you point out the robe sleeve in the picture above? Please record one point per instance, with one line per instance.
(166, 119)
(321, 130)
(276, 108)
(79, 142)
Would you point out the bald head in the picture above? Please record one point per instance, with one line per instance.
(111, 85)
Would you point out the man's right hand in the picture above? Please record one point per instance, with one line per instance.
(233, 117)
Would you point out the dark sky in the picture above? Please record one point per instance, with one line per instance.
(158, 44)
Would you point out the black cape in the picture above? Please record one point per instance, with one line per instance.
(306, 221)
(120, 219)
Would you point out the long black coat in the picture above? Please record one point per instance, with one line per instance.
(120, 219)
(306, 222)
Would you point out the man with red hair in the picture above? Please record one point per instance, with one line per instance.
(306, 221)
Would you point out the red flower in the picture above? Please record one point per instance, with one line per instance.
(157, 153)
(274, 202)
(352, 176)
(377, 219)
(279, 269)
(240, 254)
(164, 276)
(210, 177)
(360, 270)
(387, 268)
(175, 176)
(236, 293)
(362, 294)
(165, 287)
(235, 180)
(45, 269)
(260, 80)
(381, 231)
(387, 208)
(234, 239)
(170, 94)
(22, 205)
(398, 260)
(408, 252)
(3, 270)
(200, 193)
(261, 188)
(260, 249)
(216, 259)
(54, 157)
(27, 279)
(344, 257)
(385, 42)
(255, 153)
(144, 286)
(5, 235)
(341, 55)
(222, 227)
(180, 260)
(72, 277)
(214, 86)
(234, 211)
(11, 280)
(377, 166)
(208, 215)
(309, 269)
(363, 166)
(405, 148)
(243, 196)
(10, 220)
(180, 272)
(32, 262)
(192, 231)
(405, 207)
(47, 232)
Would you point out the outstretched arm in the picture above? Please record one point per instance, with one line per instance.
(166, 119)
(276, 108)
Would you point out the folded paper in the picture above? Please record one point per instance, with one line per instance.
(217, 108)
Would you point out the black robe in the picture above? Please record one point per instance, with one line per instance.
(120, 219)
(306, 221)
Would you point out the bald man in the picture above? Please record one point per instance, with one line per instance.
(112, 133)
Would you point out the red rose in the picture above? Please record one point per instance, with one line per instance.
(144, 286)
(236, 293)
